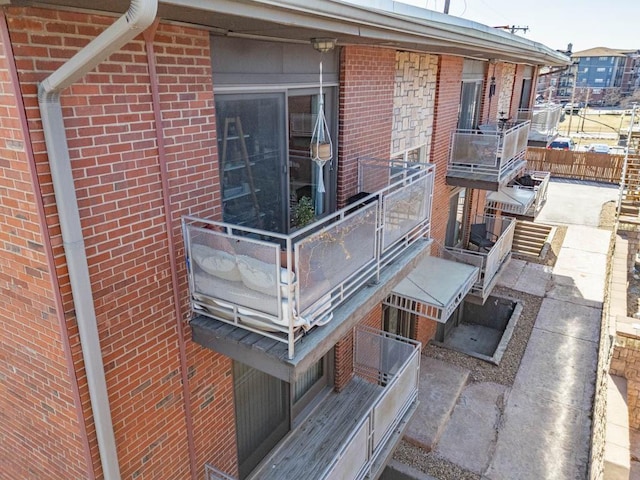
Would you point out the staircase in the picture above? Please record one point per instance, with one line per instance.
(630, 204)
(529, 238)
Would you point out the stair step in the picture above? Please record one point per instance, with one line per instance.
(529, 238)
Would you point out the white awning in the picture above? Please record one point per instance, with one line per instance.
(434, 288)
(515, 200)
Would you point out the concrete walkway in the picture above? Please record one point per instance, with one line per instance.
(540, 427)
(545, 429)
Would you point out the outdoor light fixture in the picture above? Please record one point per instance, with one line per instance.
(324, 45)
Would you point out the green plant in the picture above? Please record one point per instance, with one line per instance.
(304, 212)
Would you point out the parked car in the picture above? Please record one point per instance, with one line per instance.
(573, 108)
(598, 148)
(561, 143)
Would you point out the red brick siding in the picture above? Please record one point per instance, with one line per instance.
(112, 142)
(444, 124)
(366, 111)
(425, 330)
(40, 436)
(345, 347)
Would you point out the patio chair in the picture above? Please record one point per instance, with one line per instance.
(481, 237)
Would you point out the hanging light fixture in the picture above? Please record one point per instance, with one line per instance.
(321, 148)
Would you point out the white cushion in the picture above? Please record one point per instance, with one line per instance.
(257, 275)
(248, 315)
(216, 262)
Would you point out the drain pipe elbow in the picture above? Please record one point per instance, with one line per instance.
(140, 15)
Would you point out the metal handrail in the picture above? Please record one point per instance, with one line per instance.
(333, 257)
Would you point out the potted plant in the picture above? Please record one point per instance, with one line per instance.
(304, 212)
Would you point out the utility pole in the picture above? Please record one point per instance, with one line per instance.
(584, 113)
(512, 28)
(573, 96)
(446, 6)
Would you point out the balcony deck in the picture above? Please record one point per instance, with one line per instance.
(544, 123)
(522, 199)
(243, 281)
(271, 356)
(492, 262)
(489, 157)
(346, 436)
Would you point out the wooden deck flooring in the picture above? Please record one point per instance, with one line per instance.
(309, 449)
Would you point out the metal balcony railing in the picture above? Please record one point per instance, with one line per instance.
(344, 438)
(523, 196)
(212, 473)
(281, 286)
(544, 120)
(492, 151)
(500, 230)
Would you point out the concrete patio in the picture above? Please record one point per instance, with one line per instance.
(539, 427)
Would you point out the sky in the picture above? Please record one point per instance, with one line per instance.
(555, 23)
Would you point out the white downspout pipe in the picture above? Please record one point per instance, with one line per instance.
(140, 15)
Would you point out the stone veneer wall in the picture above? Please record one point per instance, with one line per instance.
(508, 75)
(626, 364)
(413, 101)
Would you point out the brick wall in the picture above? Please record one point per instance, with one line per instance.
(449, 80)
(40, 433)
(366, 111)
(113, 147)
(413, 101)
(426, 330)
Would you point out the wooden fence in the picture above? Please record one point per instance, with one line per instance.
(579, 165)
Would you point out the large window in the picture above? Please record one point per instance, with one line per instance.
(263, 175)
(455, 223)
(273, 88)
(251, 152)
(470, 102)
(399, 322)
(262, 414)
(266, 407)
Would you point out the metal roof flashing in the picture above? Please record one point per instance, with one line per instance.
(384, 23)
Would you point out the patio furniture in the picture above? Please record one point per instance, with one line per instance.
(481, 237)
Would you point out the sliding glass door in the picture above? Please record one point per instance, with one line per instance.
(252, 156)
(265, 164)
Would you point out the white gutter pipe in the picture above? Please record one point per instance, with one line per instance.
(140, 15)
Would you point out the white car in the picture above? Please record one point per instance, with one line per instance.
(598, 148)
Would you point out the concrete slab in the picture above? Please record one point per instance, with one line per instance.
(540, 439)
(572, 260)
(511, 273)
(559, 368)
(470, 435)
(617, 448)
(440, 386)
(577, 321)
(577, 288)
(635, 454)
(472, 338)
(533, 279)
(586, 239)
(574, 203)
